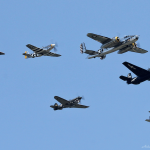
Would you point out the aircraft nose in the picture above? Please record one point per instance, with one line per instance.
(52, 45)
(137, 37)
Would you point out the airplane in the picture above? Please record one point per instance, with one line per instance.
(148, 120)
(109, 45)
(1, 53)
(74, 103)
(38, 52)
(142, 74)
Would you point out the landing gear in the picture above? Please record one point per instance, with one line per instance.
(103, 57)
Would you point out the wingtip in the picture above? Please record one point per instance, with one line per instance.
(88, 34)
(55, 97)
(124, 62)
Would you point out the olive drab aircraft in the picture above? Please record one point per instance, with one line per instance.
(148, 120)
(38, 52)
(74, 103)
(142, 74)
(109, 45)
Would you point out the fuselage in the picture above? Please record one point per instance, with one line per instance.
(122, 45)
(138, 80)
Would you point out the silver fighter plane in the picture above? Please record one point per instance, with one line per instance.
(74, 103)
(38, 52)
(110, 45)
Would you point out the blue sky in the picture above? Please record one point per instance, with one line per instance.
(115, 118)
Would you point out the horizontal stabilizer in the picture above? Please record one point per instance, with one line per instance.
(123, 78)
(52, 106)
(148, 120)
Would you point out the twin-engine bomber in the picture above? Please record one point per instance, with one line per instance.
(38, 52)
(74, 103)
(142, 74)
(109, 45)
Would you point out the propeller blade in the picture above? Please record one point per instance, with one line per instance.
(83, 98)
(55, 49)
(138, 44)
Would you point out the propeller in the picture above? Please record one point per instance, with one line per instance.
(81, 98)
(138, 44)
(56, 45)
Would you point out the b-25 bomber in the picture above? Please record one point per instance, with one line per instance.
(74, 103)
(142, 74)
(109, 45)
(38, 52)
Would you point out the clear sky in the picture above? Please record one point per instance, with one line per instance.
(117, 112)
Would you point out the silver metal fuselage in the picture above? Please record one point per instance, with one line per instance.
(121, 46)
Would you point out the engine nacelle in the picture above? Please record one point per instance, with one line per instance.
(100, 51)
(103, 57)
(112, 43)
(117, 39)
(134, 45)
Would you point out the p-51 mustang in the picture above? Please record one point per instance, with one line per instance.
(110, 45)
(68, 104)
(142, 74)
(148, 120)
(38, 52)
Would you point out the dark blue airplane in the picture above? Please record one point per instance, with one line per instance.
(142, 74)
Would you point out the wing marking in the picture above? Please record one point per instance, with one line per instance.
(136, 70)
(80, 106)
(52, 54)
(61, 100)
(138, 50)
(99, 38)
(34, 48)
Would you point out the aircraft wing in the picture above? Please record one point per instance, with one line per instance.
(135, 69)
(35, 49)
(1, 53)
(61, 100)
(138, 50)
(80, 106)
(99, 38)
(148, 120)
(52, 54)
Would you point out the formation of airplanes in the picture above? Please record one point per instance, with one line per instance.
(109, 45)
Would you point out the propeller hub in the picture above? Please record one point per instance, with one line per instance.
(52, 45)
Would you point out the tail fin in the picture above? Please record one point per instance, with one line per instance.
(26, 55)
(82, 48)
